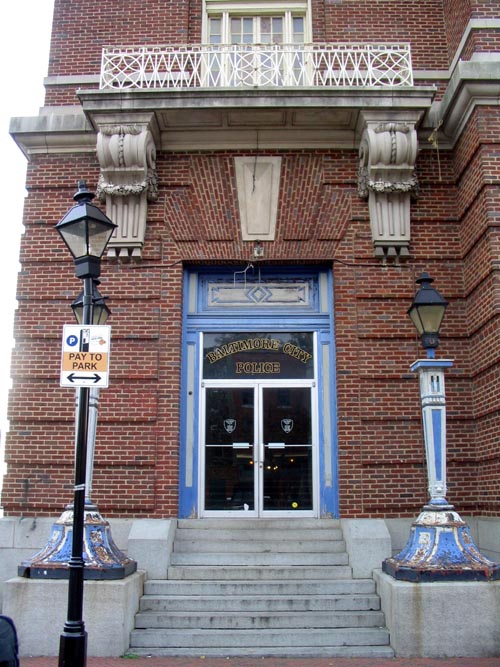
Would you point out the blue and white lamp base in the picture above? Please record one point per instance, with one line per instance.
(102, 558)
(440, 548)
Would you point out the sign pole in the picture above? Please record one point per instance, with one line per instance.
(73, 641)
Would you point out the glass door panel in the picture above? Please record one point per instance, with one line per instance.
(287, 479)
(229, 449)
(258, 449)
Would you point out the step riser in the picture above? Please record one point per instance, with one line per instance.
(241, 621)
(258, 560)
(257, 524)
(259, 546)
(257, 588)
(286, 652)
(271, 638)
(258, 605)
(258, 573)
(270, 534)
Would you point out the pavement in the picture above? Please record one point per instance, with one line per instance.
(200, 661)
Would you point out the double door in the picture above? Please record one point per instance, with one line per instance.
(258, 449)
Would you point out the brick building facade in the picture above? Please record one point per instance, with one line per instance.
(275, 195)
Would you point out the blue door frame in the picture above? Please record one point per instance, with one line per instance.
(239, 299)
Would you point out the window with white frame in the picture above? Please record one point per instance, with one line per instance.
(256, 43)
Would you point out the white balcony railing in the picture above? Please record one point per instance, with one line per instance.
(255, 66)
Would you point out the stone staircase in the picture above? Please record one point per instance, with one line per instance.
(263, 587)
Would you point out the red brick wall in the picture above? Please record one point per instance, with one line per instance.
(455, 236)
(381, 456)
(478, 177)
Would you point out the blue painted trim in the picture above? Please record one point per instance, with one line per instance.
(431, 363)
(329, 496)
(187, 495)
(438, 442)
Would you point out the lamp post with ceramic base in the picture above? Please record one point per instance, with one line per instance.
(102, 558)
(86, 232)
(440, 546)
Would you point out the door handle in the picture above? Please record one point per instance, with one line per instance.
(261, 455)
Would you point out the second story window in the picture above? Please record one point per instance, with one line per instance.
(281, 29)
(258, 45)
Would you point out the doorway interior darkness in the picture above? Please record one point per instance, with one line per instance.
(258, 409)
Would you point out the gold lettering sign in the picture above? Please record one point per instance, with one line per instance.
(259, 355)
(249, 367)
(224, 351)
(242, 346)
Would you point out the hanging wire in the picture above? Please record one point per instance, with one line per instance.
(244, 272)
(433, 139)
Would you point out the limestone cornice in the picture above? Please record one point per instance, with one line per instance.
(55, 130)
(221, 119)
(249, 119)
(473, 83)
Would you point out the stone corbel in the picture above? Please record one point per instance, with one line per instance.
(126, 149)
(386, 177)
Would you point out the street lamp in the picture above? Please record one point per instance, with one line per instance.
(440, 546)
(86, 232)
(427, 312)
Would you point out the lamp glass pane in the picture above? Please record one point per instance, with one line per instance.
(415, 318)
(430, 318)
(99, 236)
(75, 237)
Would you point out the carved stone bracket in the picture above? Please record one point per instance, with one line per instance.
(386, 177)
(126, 149)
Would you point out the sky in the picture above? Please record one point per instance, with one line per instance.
(25, 27)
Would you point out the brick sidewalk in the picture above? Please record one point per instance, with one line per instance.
(271, 662)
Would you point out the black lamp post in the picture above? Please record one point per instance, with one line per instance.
(86, 231)
(100, 312)
(427, 312)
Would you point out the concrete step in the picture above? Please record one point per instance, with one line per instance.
(242, 640)
(257, 524)
(260, 587)
(258, 559)
(310, 651)
(256, 545)
(215, 620)
(257, 604)
(309, 587)
(276, 533)
(228, 572)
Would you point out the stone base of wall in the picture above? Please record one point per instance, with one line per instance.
(441, 620)
(38, 608)
(424, 619)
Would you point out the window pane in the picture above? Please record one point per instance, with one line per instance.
(235, 31)
(215, 31)
(248, 26)
(298, 29)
